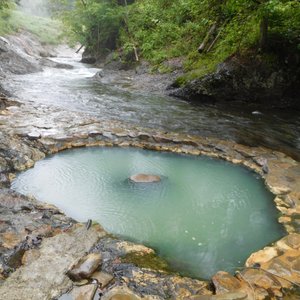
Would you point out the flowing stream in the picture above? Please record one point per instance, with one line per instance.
(75, 89)
(203, 216)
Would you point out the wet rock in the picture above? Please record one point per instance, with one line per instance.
(144, 178)
(45, 277)
(52, 64)
(81, 282)
(279, 190)
(30, 256)
(296, 265)
(14, 58)
(293, 198)
(292, 241)
(120, 293)
(224, 282)
(282, 268)
(34, 135)
(88, 57)
(100, 74)
(262, 279)
(144, 136)
(262, 256)
(240, 78)
(240, 295)
(145, 280)
(85, 292)
(23, 223)
(85, 267)
(102, 278)
(162, 139)
(10, 239)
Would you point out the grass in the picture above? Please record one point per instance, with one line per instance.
(48, 31)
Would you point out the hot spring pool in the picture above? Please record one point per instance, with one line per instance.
(204, 215)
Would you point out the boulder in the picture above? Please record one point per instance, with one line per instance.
(85, 267)
(144, 178)
(262, 256)
(242, 78)
(225, 282)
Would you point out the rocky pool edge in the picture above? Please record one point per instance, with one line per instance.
(49, 238)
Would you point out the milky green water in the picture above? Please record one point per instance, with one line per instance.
(205, 215)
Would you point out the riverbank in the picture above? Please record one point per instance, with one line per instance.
(248, 79)
(249, 123)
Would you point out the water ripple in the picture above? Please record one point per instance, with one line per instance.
(192, 217)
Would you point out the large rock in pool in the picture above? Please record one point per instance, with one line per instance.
(144, 178)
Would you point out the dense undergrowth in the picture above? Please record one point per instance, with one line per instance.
(159, 30)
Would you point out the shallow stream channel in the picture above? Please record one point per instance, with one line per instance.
(204, 214)
(76, 89)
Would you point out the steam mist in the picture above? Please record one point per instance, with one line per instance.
(35, 7)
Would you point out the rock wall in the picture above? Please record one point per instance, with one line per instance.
(15, 58)
(246, 79)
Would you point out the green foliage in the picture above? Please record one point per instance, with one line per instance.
(47, 30)
(164, 29)
(4, 4)
(12, 20)
(95, 24)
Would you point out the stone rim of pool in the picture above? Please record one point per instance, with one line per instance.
(164, 152)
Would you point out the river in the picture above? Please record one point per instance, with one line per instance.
(76, 89)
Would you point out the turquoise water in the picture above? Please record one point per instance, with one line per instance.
(205, 215)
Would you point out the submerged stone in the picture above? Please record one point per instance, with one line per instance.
(144, 178)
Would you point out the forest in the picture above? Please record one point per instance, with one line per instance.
(201, 34)
(158, 30)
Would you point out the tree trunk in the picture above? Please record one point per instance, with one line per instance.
(77, 51)
(263, 41)
(207, 38)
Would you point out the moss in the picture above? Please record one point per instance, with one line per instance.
(205, 66)
(180, 81)
(147, 260)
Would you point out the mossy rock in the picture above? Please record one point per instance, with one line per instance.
(147, 261)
